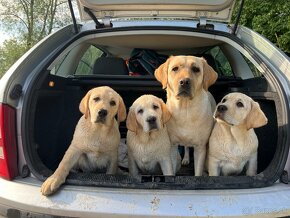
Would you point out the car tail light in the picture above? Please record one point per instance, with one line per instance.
(8, 150)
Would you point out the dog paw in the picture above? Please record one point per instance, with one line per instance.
(50, 185)
(251, 173)
(185, 161)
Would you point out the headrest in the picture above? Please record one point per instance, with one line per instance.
(110, 66)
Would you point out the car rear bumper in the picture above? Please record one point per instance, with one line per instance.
(78, 201)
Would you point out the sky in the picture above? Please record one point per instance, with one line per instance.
(3, 36)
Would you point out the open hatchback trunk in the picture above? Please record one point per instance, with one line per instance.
(213, 10)
(96, 57)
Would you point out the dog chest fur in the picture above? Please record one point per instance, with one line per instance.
(146, 147)
(232, 147)
(94, 138)
(190, 125)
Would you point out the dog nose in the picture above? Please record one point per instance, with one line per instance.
(151, 119)
(222, 108)
(184, 82)
(102, 113)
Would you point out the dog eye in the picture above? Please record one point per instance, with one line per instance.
(96, 99)
(240, 104)
(140, 111)
(195, 69)
(175, 69)
(224, 100)
(112, 103)
(155, 107)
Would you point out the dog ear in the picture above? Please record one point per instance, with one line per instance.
(166, 115)
(121, 110)
(84, 105)
(161, 74)
(256, 117)
(209, 75)
(131, 121)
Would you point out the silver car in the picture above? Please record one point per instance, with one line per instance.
(115, 45)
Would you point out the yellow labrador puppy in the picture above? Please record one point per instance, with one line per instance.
(233, 143)
(149, 147)
(96, 137)
(186, 80)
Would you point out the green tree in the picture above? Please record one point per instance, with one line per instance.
(270, 18)
(10, 51)
(28, 21)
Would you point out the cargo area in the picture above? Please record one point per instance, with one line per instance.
(54, 111)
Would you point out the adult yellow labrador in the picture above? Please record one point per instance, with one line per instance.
(96, 138)
(233, 143)
(186, 80)
(149, 147)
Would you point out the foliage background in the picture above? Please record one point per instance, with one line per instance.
(270, 18)
(28, 21)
